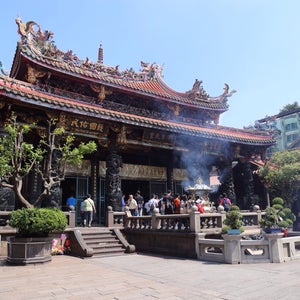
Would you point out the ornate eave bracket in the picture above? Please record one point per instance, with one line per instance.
(101, 90)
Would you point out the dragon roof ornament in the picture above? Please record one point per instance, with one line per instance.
(42, 43)
(197, 92)
(2, 70)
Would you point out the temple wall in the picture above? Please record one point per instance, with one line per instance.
(144, 172)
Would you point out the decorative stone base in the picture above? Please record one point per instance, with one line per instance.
(22, 251)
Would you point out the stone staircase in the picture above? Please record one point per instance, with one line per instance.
(102, 241)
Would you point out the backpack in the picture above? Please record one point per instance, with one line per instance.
(226, 204)
(169, 207)
(152, 206)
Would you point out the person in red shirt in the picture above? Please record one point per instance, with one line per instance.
(176, 203)
(199, 206)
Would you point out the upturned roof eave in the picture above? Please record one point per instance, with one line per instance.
(43, 100)
(179, 98)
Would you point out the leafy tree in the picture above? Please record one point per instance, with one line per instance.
(17, 157)
(281, 175)
(49, 157)
(290, 107)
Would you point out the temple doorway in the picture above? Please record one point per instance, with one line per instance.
(78, 187)
(132, 186)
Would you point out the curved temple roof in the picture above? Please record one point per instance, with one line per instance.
(38, 46)
(19, 91)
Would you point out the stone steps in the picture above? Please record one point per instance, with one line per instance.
(103, 242)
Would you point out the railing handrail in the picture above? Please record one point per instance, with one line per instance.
(197, 221)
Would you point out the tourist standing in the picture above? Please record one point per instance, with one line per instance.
(225, 202)
(153, 203)
(71, 203)
(89, 209)
(140, 202)
(82, 212)
(123, 203)
(132, 204)
(147, 208)
(176, 204)
(199, 206)
(168, 203)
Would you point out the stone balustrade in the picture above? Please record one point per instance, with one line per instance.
(185, 235)
(192, 222)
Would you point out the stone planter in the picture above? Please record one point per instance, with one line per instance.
(31, 250)
(232, 248)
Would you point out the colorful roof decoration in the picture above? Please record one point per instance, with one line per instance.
(22, 92)
(38, 47)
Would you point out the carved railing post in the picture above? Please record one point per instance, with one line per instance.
(232, 248)
(223, 217)
(155, 222)
(110, 217)
(127, 221)
(275, 247)
(195, 220)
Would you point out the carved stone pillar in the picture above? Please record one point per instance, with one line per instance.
(7, 199)
(113, 193)
(249, 198)
(170, 176)
(93, 185)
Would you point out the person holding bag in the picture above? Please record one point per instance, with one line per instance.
(89, 208)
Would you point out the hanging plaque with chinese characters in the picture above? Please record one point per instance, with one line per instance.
(84, 125)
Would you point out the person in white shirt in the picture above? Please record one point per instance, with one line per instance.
(132, 204)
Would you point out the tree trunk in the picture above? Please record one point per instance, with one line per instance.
(18, 190)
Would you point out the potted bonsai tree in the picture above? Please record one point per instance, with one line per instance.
(285, 215)
(233, 221)
(32, 243)
(269, 222)
(277, 217)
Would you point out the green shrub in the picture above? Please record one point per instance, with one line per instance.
(286, 215)
(270, 219)
(234, 218)
(225, 229)
(277, 215)
(37, 221)
(277, 206)
(234, 207)
(283, 224)
(277, 200)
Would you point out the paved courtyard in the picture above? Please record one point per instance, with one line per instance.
(136, 276)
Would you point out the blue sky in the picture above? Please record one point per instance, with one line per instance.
(253, 45)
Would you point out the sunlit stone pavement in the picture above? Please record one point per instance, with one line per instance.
(137, 276)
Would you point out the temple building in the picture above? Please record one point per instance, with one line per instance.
(150, 137)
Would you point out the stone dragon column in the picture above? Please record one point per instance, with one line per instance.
(113, 193)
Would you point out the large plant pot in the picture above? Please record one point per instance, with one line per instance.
(233, 231)
(31, 250)
(273, 230)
